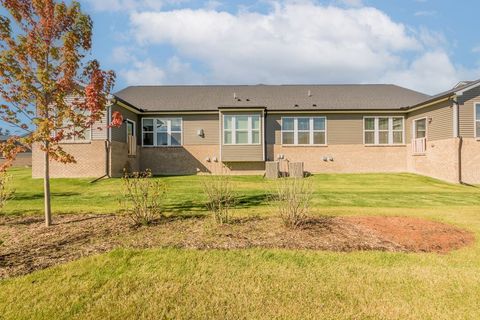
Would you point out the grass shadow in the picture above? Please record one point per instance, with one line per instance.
(36, 196)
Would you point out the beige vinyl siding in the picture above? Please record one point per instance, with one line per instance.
(243, 153)
(120, 133)
(467, 112)
(99, 128)
(441, 126)
(342, 128)
(192, 123)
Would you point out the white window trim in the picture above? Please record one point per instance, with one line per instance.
(134, 127)
(169, 132)
(376, 131)
(475, 120)
(414, 127)
(311, 131)
(249, 130)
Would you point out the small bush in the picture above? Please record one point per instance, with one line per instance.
(290, 199)
(6, 192)
(142, 197)
(219, 190)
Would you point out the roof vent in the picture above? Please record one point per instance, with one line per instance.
(314, 105)
(309, 93)
(296, 106)
(239, 99)
(234, 95)
(248, 99)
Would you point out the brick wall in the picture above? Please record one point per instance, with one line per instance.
(471, 161)
(90, 161)
(344, 158)
(22, 160)
(439, 161)
(119, 159)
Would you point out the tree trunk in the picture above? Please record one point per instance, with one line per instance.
(46, 190)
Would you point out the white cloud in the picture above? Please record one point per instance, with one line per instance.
(143, 73)
(431, 72)
(351, 3)
(146, 72)
(296, 42)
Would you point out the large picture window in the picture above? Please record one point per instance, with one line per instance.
(383, 130)
(161, 132)
(304, 131)
(241, 129)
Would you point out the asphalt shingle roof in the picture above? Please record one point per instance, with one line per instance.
(273, 97)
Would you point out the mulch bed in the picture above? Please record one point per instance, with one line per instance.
(26, 245)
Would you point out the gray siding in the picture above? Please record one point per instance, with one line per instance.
(193, 123)
(243, 153)
(120, 134)
(466, 112)
(441, 126)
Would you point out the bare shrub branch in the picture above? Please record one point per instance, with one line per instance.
(6, 191)
(142, 197)
(221, 197)
(290, 198)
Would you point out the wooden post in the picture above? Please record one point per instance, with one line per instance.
(272, 169)
(295, 169)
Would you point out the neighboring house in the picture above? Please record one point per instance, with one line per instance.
(23, 159)
(175, 130)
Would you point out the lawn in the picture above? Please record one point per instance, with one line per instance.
(257, 283)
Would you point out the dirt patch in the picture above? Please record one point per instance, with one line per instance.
(416, 234)
(26, 245)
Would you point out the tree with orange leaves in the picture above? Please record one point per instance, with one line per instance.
(43, 44)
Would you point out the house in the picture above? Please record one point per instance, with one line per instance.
(177, 130)
(23, 159)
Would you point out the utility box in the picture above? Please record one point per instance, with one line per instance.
(295, 170)
(272, 169)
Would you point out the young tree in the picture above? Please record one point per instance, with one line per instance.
(43, 44)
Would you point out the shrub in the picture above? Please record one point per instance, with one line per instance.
(142, 197)
(219, 190)
(290, 199)
(6, 192)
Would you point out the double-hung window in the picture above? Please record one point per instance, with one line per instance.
(477, 120)
(383, 130)
(162, 132)
(241, 129)
(304, 131)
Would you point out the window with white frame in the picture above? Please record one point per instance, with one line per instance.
(477, 120)
(383, 130)
(161, 132)
(304, 131)
(241, 129)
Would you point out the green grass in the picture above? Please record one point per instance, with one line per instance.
(258, 284)
(185, 194)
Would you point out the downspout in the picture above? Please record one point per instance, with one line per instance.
(107, 145)
(456, 134)
(108, 141)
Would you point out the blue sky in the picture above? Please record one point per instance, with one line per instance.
(426, 45)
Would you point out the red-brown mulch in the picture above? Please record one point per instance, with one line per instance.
(26, 245)
(417, 235)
